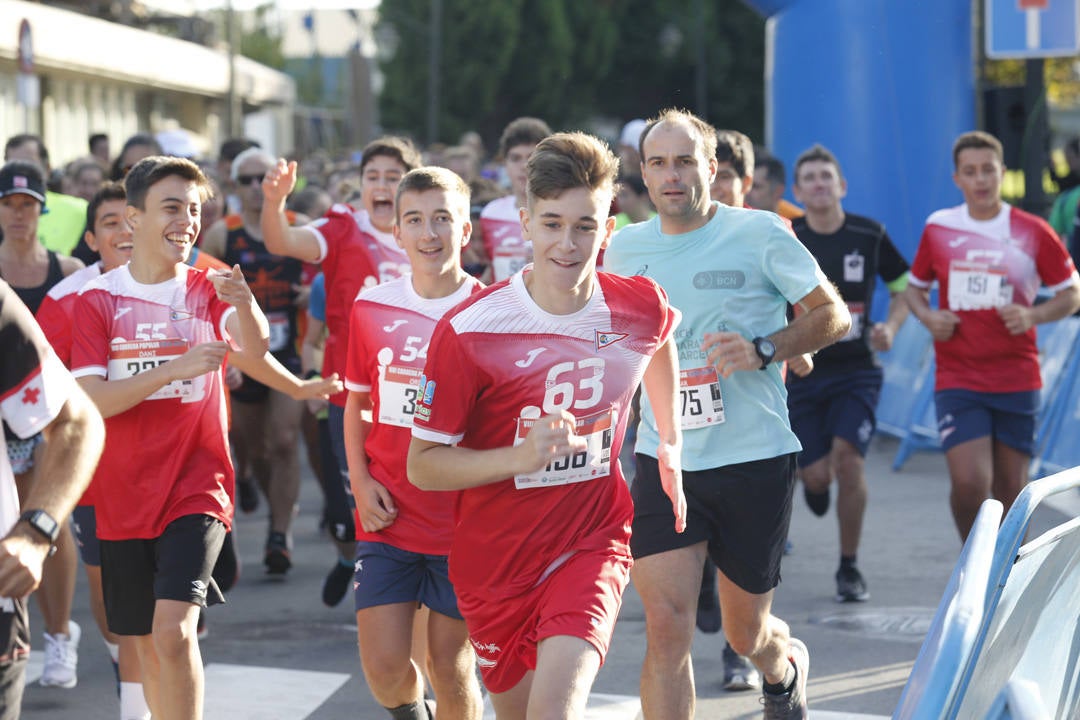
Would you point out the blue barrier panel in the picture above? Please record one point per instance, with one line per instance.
(1060, 448)
(905, 368)
(951, 637)
(922, 431)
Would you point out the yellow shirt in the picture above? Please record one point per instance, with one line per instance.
(61, 228)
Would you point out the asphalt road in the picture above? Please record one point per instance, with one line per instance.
(275, 652)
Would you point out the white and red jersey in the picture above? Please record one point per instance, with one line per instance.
(498, 362)
(34, 386)
(508, 251)
(354, 256)
(56, 318)
(981, 266)
(167, 456)
(388, 345)
(57, 309)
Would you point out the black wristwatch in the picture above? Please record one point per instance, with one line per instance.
(43, 523)
(765, 350)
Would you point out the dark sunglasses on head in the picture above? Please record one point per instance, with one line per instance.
(244, 180)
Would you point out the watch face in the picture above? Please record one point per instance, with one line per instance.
(768, 348)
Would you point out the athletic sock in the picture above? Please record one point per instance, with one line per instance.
(132, 702)
(413, 711)
(784, 686)
(847, 562)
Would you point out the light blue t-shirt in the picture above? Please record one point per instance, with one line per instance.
(737, 273)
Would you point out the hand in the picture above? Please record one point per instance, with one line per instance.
(729, 352)
(231, 287)
(669, 458)
(801, 365)
(233, 377)
(318, 388)
(278, 182)
(1017, 318)
(882, 336)
(551, 437)
(198, 361)
(374, 505)
(942, 324)
(302, 293)
(21, 559)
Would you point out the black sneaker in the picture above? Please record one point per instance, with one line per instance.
(708, 605)
(277, 559)
(850, 586)
(336, 584)
(792, 704)
(247, 494)
(739, 672)
(818, 502)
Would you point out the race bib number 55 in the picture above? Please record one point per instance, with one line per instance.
(592, 462)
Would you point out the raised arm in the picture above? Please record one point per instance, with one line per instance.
(280, 238)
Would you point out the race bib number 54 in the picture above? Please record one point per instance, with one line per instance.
(592, 462)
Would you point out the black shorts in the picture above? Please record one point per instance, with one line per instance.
(741, 511)
(14, 652)
(84, 523)
(253, 391)
(135, 574)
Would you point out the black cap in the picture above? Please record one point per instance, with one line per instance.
(22, 177)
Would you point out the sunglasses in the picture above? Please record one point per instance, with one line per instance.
(245, 180)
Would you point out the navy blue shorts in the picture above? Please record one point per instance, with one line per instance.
(84, 523)
(833, 405)
(1008, 418)
(386, 575)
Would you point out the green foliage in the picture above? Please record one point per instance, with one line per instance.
(263, 42)
(572, 62)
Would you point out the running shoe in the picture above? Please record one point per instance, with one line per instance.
(248, 494)
(708, 604)
(818, 502)
(336, 583)
(277, 558)
(792, 704)
(739, 672)
(850, 586)
(62, 658)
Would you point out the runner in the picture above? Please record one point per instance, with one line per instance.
(500, 222)
(356, 250)
(404, 533)
(732, 272)
(149, 343)
(540, 554)
(989, 260)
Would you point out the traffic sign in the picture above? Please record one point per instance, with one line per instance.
(1032, 28)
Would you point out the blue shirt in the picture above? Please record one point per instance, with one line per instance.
(317, 298)
(736, 273)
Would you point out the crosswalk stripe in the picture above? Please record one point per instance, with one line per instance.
(244, 692)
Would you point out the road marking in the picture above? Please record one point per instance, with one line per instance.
(600, 707)
(244, 692)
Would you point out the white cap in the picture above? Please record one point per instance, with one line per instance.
(177, 143)
(631, 133)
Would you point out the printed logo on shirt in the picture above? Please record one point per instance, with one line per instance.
(719, 280)
(394, 325)
(958, 241)
(642, 270)
(528, 360)
(607, 337)
(198, 587)
(121, 312)
(177, 315)
(425, 394)
(30, 396)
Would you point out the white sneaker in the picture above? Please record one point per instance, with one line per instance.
(61, 658)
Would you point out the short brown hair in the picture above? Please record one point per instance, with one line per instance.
(737, 150)
(816, 153)
(565, 161)
(151, 170)
(976, 140)
(678, 116)
(522, 131)
(392, 146)
(431, 177)
(109, 190)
